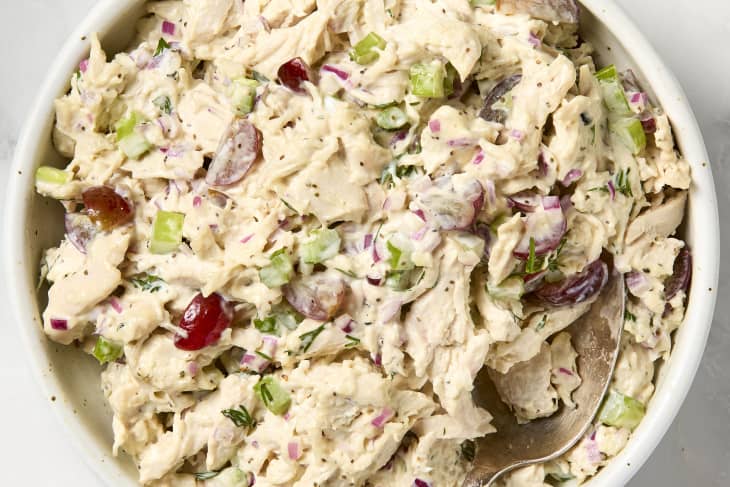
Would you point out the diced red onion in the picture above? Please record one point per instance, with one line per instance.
(376, 255)
(254, 362)
(343, 75)
(385, 415)
(534, 40)
(374, 279)
(419, 234)
(542, 165)
(368, 241)
(637, 283)
(611, 190)
(197, 201)
(461, 142)
(265, 23)
(193, 368)
(386, 204)
(681, 275)
(525, 201)
(593, 453)
(434, 125)
(565, 371)
(293, 450)
(420, 214)
(59, 324)
(344, 323)
(168, 27)
(398, 136)
(518, 135)
(546, 227)
(247, 238)
(421, 483)
(479, 158)
(648, 122)
(80, 230)
(318, 297)
(269, 345)
(115, 304)
(84, 65)
(572, 176)
(378, 359)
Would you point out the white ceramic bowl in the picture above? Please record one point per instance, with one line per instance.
(33, 223)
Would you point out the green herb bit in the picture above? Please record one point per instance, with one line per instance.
(623, 185)
(240, 417)
(353, 341)
(347, 273)
(267, 325)
(289, 206)
(161, 46)
(629, 316)
(106, 351)
(366, 51)
(163, 103)
(264, 356)
(308, 338)
(542, 323)
(147, 282)
(275, 398)
(533, 264)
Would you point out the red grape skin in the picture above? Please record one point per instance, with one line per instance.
(106, 207)
(204, 320)
(293, 74)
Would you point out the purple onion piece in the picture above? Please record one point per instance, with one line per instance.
(453, 204)
(682, 275)
(483, 231)
(59, 324)
(235, 155)
(317, 297)
(534, 281)
(343, 75)
(490, 114)
(577, 288)
(546, 226)
(525, 201)
(572, 176)
(80, 230)
(648, 122)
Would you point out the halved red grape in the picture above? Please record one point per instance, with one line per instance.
(237, 152)
(316, 297)
(489, 112)
(80, 230)
(204, 320)
(682, 275)
(294, 73)
(453, 202)
(576, 288)
(106, 207)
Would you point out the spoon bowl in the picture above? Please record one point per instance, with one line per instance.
(596, 337)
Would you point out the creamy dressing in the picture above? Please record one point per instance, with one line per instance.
(450, 231)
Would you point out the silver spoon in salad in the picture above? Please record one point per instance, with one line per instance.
(596, 337)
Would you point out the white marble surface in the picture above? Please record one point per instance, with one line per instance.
(692, 36)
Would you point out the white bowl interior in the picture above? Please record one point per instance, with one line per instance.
(73, 377)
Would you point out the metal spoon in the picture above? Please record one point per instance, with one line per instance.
(596, 336)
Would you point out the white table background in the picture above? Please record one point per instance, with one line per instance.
(692, 36)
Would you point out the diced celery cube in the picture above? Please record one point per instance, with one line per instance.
(279, 271)
(106, 351)
(631, 133)
(451, 76)
(391, 118)
(366, 51)
(134, 145)
(323, 244)
(167, 232)
(427, 79)
(609, 73)
(275, 398)
(621, 411)
(511, 288)
(125, 126)
(243, 94)
(51, 175)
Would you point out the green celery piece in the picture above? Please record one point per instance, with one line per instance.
(167, 232)
(366, 51)
(621, 411)
(51, 175)
(399, 260)
(631, 133)
(161, 46)
(106, 351)
(427, 79)
(511, 288)
(476, 3)
(279, 271)
(607, 74)
(323, 244)
(275, 398)
(125, 126)
(134, 145)
(391, 118)
(451, 76)
(243, 94)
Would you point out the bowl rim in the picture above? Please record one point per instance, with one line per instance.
(687, 349)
